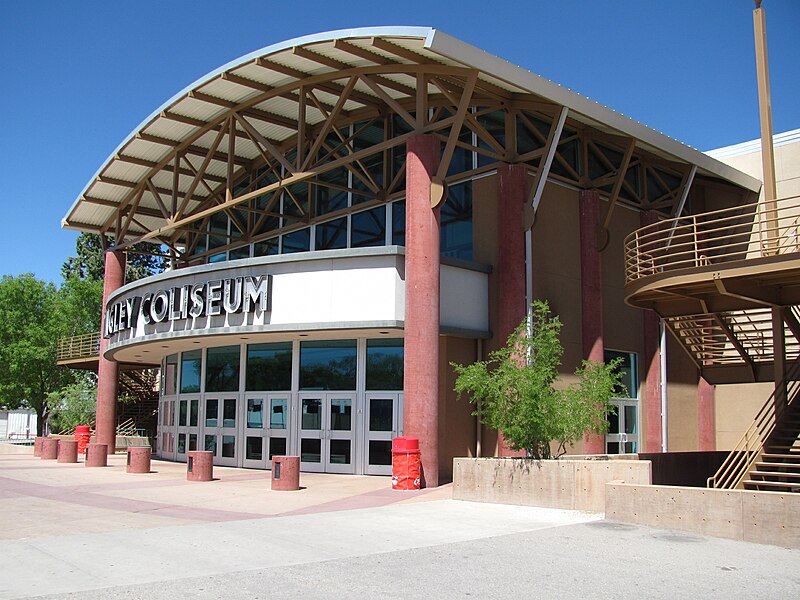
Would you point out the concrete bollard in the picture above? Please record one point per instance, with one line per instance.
(285, 473)
(139, 459)
(200, 466)
(49, 448)
(96, 455)
(37, 446)
(67, 451)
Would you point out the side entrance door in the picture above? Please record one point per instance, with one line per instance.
(623, 428)
(384, 421)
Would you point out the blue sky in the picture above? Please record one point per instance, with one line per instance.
(78, 76)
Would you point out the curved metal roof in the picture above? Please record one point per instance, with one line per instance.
(192, 119)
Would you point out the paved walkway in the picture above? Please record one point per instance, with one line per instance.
(71, 532)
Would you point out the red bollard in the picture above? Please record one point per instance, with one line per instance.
(37, 446)
(285, 473)
(83, 435)
(200, 466)
(139, 459)
(49, 448)
(67, 451)
(405, 463)
(97, 455)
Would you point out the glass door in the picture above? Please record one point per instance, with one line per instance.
(166, 438)
(311, 432)
(326, 432)
(340, 434)
(219, 431)
(188, 429)
(384, 421)
(266, 429)
(623, 428)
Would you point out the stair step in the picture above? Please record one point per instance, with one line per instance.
(793, 458)
(775, 485)
(772, 466)
(787, 474)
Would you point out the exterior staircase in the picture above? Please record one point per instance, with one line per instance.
(778, 467)
(727, 286)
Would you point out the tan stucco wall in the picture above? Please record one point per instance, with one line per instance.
(735, 405)
(681, 399)
(457, 426)
(787, 167)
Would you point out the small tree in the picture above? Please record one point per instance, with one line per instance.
(514, 390)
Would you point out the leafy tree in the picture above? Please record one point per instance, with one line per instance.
(73, 404)
(31, 322)
(514, 390)
(89, 262)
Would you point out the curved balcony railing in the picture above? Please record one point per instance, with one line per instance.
(78, 346)
(723, 236)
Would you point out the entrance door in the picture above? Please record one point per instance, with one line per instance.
(623, 428)
(266, 429)
(188, 429)
(326, 432)
(166, 438)
(384, 421)
(219, 428)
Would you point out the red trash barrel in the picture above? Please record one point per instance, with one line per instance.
(405, 463)
(83, 435)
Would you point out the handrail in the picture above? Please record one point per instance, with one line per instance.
(78, 346)
(726, 235)
(739, 461)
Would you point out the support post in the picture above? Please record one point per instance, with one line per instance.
(591, 296)
(421, 356)
(512, 195)
(108, 370)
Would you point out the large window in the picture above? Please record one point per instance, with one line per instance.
(456, 222)
(328, 365)
(269, 367)
(385, 364)
(222, 369)
(191, 363)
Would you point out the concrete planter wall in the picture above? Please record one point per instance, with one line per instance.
(566, 484)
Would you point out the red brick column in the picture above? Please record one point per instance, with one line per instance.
(510, 273)
(591, 296)
(108, 370)
(421, 362)
(651, 405)
(706, 422)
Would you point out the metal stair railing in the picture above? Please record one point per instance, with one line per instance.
(78, 346)
(740, 460)
(727, 235)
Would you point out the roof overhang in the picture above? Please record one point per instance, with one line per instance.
(186, 119)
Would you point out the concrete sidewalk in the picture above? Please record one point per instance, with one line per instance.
(73, 532)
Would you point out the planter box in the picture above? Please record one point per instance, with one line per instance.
(566, 484)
